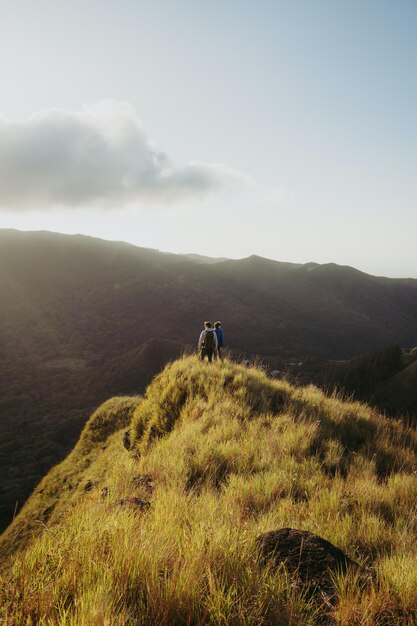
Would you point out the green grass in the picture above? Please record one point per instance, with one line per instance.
(230, 454)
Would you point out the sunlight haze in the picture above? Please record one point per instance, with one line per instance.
(282, 129)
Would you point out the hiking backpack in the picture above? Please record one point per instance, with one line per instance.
(209, 340)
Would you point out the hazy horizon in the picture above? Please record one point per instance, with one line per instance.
(283, 130)
(193, 253)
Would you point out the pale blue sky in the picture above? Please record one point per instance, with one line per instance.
(313, 102)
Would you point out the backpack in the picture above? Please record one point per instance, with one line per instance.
(209, 340)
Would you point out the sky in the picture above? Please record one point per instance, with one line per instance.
(282, 128)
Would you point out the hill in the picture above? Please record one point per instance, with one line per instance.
(166, 533)
(362, 375)
(398, 395)
(386, 378)
(77, 315)
(45, 404)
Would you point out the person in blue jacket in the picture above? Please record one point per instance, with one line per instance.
(220, 339)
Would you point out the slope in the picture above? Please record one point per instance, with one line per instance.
(398, 395)
(386, 378)
(221, 454)
(43, 410)
(74, 309)
(81, 295)
(134, 370)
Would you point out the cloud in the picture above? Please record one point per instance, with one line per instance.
(100, 156)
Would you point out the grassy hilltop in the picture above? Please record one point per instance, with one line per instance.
(219, 454)
(82, 319)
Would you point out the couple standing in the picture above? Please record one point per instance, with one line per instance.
(211, 341)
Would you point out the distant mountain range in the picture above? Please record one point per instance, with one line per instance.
(76, 294)
(82, 319)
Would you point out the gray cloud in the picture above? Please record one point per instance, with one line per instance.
(99, 156)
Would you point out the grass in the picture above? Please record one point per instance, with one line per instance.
(223, 454)
(65, 484)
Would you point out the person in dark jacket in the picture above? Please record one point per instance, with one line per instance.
(207, 343)
(220, 339)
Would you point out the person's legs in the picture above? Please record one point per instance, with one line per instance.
(220, 353)
(209, 355)
(202, 354)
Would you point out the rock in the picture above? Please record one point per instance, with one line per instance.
(136, 503)
(307, 557)
(88, 485)
(126, 440)
(275, 374)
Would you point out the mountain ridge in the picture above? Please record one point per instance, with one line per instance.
(190, 256)
(166, 532)
(73, 308)
(79, 281)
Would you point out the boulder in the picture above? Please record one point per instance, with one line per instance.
(308, 558)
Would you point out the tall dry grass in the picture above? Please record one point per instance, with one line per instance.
(228, 454)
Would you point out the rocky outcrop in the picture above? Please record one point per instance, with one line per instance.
(308, 558)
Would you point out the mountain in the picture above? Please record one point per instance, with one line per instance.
(168, 532)
(86, 295)
(135, 369)
(82, 318)
(199, 258)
